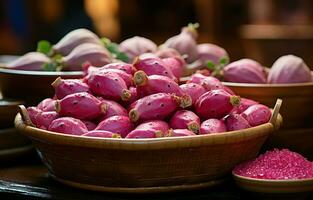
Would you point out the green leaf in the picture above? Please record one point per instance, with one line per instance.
(210, 65)
(113, 49)
(50, 67)
(224, 61)
(44, 47)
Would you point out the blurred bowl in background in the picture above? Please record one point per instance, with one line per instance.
(298, 100)
(30, 86)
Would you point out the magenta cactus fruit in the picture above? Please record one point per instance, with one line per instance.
(154, 66)
(64, 87)
(244, 104)
(176, 65)
(215, 104)
(116, 124)
(101, 134)
(136, 46)
(113, 108)
(185, 119)
(289, 69)
(33, 61)
(73, 39)
(109, 85)
(68, 125)
(126, 67)
(194, 90)
(180, 133)
(47, 104)
(211, 83)
(211, 53)
(44, 119)
(167, 53)
(185, 43)
(157, 125)
(32, 113)
(235, 122)
(157, 106)
(144, 133)
(89, 124)
(95, 54)
(155, 84)
(244, 71)
(257, 114)
(197, 78)
(212, 126)
(134, 95)
(81, 106)
(128, 78)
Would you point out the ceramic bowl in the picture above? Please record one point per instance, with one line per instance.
(273, 186)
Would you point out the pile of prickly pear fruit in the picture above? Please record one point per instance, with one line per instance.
(144, 100)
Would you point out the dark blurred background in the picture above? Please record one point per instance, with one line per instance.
(259, 29)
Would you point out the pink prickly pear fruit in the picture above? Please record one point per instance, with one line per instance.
(68, 125)
(113, 108)
(289, 69)
(235, 122)
(116, 124)
(109, 85)
(180, 133)
(155, 84)
(74, 39)
(136, 46)
(134, 95)
(167, 53)
(257, 114)
(212, 126)
(144, 133)
(64, 87)
(128, 78)
(89, 124)
(197, 78)
(81, 105)
(44, 119)
(185, 43)
(157, 106)
(185, 119)
(47, 104)
(101, 134)
(95, 54)
(147, 55)
(194, 90)
(211, 53)
(176, 65)
(244, 71)
(211, 83)
(244, 104)
(33, 61)
(33, 112)
(154, 66)
(215, 104)
(157, 125)
(126, 67)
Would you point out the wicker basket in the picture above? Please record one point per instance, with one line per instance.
(145, 165)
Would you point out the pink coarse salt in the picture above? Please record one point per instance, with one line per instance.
(277, 165)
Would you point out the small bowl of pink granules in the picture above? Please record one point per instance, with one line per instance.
(276, 171)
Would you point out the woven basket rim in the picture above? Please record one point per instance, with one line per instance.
(150, 143)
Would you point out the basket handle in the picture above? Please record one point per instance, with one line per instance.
(25, 116)
(275, 113)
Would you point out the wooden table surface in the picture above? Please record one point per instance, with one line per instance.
(29, 179)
